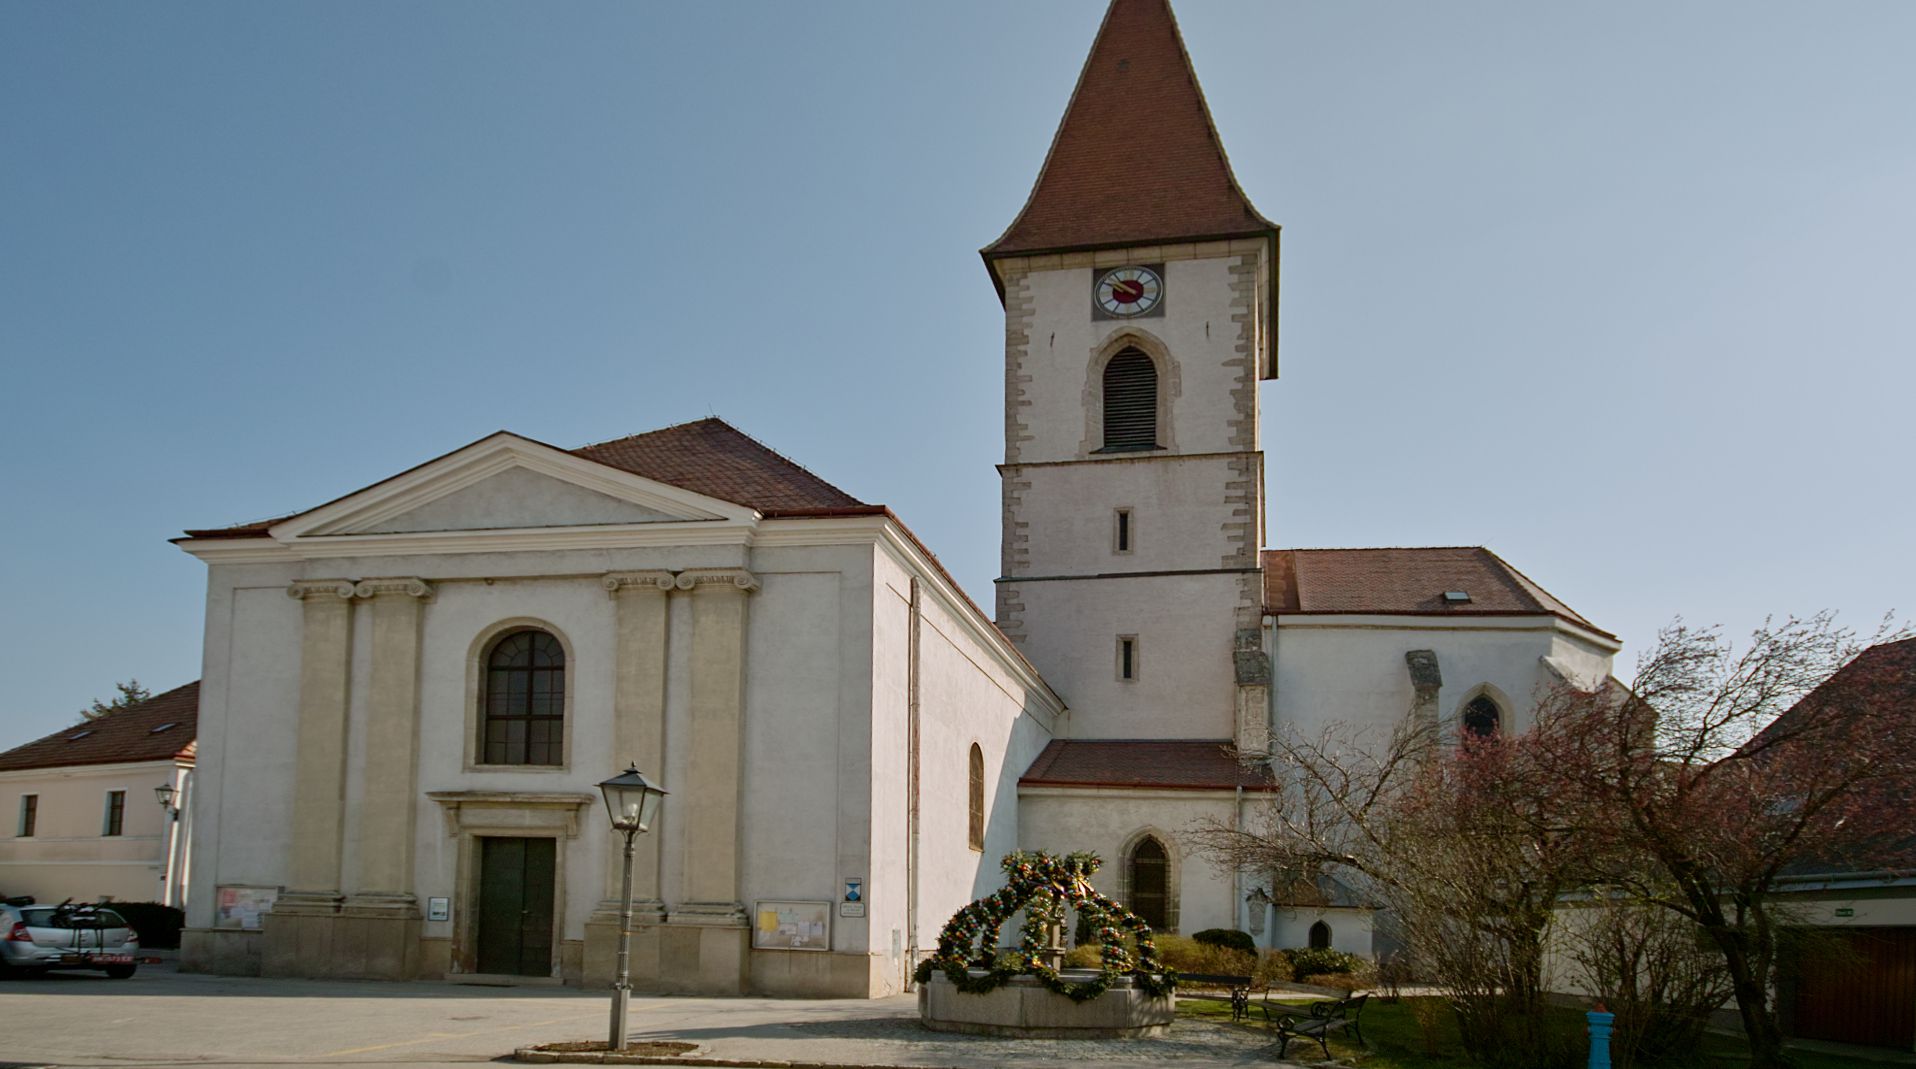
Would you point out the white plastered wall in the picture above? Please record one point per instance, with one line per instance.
(1350, 669)
(1104, 821)
(68, 856)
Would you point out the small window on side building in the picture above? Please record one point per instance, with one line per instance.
(1121, 536)
(29, 814)
(115, 821)
(1127, 657)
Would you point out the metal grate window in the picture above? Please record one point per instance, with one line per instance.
(524, 701)
(1130, 402)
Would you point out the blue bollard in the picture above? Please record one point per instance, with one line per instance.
(1601, 1025)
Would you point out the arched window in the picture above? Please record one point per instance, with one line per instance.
(1151, 883)
(977, 798)
(1320, 936)
(1481, 717)
(1130, 401)
(523, 701)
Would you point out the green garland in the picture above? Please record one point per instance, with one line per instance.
(1042, 885)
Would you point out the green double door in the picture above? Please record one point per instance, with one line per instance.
(515, 906)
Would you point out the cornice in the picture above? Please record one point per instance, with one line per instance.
(301, 589)
(652, 580)
(717, 579)
(409, 586)
(506, 540)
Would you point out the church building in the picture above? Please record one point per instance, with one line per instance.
(410, 692)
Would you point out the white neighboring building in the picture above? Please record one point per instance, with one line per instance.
(83, 821)
(407, 744)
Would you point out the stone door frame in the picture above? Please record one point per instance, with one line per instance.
(474, 815)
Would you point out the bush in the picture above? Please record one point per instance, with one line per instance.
(1272, 968)
(1229, 938)
(1187, 955)
(159, 926)
(1307, 962)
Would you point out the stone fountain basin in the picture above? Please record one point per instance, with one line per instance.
(1024, 1008)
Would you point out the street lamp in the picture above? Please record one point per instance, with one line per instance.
(632, 801)
(164, 792)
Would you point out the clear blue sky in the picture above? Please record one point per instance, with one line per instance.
(1623, 291)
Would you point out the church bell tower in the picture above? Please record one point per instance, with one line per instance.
(1140, 295)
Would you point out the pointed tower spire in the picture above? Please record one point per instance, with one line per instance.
(1137, 160)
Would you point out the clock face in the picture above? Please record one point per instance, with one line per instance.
(1125, 292)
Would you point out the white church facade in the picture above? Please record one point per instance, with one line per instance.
(410, 692)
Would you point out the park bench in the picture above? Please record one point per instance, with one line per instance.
(1317, 1022)
(1238, 986)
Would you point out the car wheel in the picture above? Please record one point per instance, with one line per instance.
(120, 972)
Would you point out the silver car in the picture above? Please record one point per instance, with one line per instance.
(36, 938)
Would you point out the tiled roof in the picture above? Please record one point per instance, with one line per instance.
(1165, 764)
(135, 733)
(1136, 159)
(707, 456)
(1404, 582)
(714, 458)
(1882, 678)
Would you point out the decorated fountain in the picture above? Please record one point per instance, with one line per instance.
(970, 985)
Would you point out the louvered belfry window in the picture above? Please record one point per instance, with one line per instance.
(1130, 401)
(524, 701)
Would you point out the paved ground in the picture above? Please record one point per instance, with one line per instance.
(160, 1018)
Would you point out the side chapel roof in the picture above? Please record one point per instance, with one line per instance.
(165, 726)
(1136, 159)
(1159, 764)
(1405, 582)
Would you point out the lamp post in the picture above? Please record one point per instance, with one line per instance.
(164, 792)
(632, 801)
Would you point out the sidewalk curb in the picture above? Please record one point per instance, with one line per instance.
(543, 1057)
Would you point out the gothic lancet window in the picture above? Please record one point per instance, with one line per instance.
(977, 798)
(1130, 402)
(1481, 718)
(524, 701)
(1150, 879)
(1320, 936)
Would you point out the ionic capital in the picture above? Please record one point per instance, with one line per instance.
(737, 579)
(410, 586)
(301, 589)
(653, 581)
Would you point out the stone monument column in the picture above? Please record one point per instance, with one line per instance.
(299, 924)
(638, 736)
(707, 942)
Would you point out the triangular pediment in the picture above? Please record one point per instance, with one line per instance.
(506, 482)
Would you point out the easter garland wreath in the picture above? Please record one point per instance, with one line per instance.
(1042, 885)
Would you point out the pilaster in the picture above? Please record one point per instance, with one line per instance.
(638, 723)
(388, 810)
(319, 778)
(709, 804)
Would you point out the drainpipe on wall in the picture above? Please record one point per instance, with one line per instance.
(1237, 874)
(911, 776)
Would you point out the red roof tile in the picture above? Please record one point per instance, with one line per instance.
(707, 456)
(1404, 582)
(714, 458)
(1136, 160)
(135, 733)
(1161, 764)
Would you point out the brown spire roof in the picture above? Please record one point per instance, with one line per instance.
(1136, 160)
(161, 727)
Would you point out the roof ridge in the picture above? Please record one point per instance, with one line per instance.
(1365, 549)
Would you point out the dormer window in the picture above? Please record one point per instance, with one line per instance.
(1457, 597)
(163, 727)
